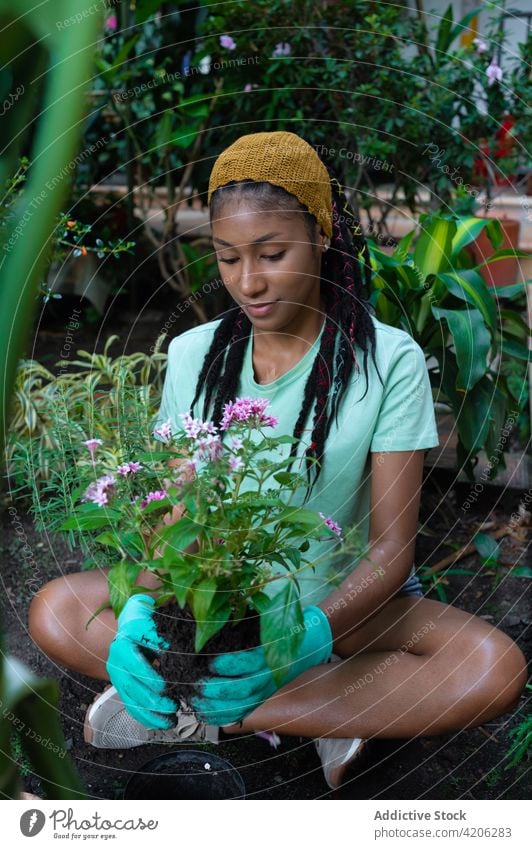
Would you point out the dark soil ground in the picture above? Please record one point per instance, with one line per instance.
(470, 764)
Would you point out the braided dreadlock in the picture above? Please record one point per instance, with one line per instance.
(345, 272)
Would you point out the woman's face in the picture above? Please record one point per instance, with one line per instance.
(268, 265)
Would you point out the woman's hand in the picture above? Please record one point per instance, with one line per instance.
(139, 686)
(243, 680)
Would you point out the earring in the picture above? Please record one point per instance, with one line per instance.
(326, 246)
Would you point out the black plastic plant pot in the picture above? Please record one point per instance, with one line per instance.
(186, 774)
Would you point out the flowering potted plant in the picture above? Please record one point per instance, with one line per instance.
(230, 560)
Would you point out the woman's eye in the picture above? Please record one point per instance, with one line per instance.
(272, 257)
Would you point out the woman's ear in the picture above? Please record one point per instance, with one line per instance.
(322, 241)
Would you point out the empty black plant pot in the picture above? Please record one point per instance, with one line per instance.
(186, 774)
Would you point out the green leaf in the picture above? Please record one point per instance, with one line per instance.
(487, 547)
(181, 534)
(522, 572)
(469, 285)
(467, 229)
(433, 250)
(201, 599)
(89, 521)
(219, 614)
(464, 22)
(511, 291)
(120, 585)
(516, 350)
(109, 538)
(299, 516)
(443, 38)
(288, 478)
(471, 341)
(282, 631)
(403, 246)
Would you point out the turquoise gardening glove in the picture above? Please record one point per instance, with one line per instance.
(139, 686)
(243, 680)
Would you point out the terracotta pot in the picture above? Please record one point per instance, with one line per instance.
(504, 271)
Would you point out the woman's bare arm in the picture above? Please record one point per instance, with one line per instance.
(394, 511)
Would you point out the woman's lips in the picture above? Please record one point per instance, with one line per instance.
(260, 309)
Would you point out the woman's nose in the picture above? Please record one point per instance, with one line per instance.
(251, 281)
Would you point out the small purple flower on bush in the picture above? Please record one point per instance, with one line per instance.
(128, 469)
(282, 48)
(158, 495)
(98, 491)
(493, 72)
(92, 445)
(164, 431)
(332, 525)
(227, 42)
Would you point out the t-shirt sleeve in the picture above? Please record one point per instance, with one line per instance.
(406, 419)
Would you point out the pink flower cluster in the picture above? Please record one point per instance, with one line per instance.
(98, 491)
(130, 468)
(332, 525)
(208, 448)
(157, 495)
(196, 427)
(164, 431)
(92, 445)
(247, 411)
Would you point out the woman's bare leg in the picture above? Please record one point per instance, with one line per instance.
(58, 617)
(417, 668)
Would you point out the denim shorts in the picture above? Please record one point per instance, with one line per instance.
(412, 587)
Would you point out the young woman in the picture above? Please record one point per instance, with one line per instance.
(378, 659)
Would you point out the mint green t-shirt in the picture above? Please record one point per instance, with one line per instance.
(395, 415)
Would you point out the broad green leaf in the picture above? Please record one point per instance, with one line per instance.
(90, 521)
(201, 599)
(282, 631)
(403, 246)
(506, 253)
(109, 538)
(157, 504)
(443, 38)
(180, 535)
(433, 250)
(522, 572)
(471, 342)
(511, 291)
(487, 547)
(206, 630)
(120, 585)
(467, 229)
(469, 285)
(464, 22)
(516, 350)
(299, 516)
(411, 278)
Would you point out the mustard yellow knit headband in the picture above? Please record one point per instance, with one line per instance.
(283, 159)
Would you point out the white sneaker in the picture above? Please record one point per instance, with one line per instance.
(336, 753)
(108, 725)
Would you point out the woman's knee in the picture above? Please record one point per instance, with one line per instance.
(499, 672)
